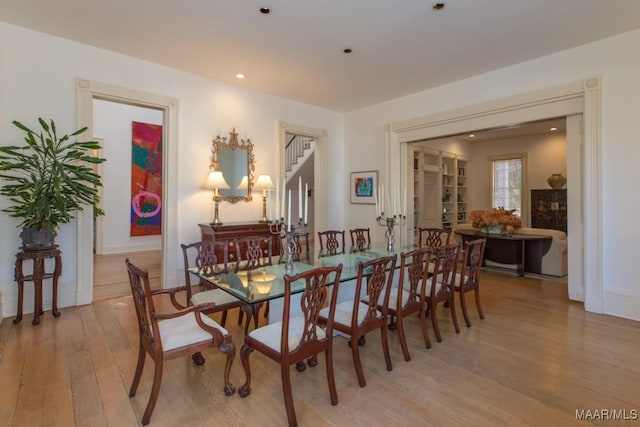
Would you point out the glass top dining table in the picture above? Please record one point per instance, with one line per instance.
(264, 284)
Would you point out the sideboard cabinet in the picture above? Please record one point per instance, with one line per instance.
(549, 209)
(238, 230)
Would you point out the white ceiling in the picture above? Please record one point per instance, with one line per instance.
(296, 51)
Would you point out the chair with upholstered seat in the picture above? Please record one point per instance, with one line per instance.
(331, 242)
(299, 248)
(252, 253)
(300, 338)
(435, 237)
(356, 317)
(360, 239)
(205, 260)
(469, 277)
(409, 296)
(166, 336)
(441, 286)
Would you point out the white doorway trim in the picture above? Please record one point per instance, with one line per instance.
(320, 208)
(581, 97)
(86, 90)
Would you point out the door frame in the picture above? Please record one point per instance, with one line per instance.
(578, 98)
(320, 208)
(86, 91)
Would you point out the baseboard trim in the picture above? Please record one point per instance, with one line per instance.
(622, 303)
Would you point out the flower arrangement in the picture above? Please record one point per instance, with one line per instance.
(496, 217)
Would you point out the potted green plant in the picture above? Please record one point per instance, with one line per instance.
(47, 179)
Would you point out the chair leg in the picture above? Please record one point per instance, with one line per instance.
(331, 380)
(245, 388)
(230, 350)
(480, 312)
(434, 322)
(385, 346)
(454, 316)
(463, 306)
(266, 310)
(288, 395)
(403, 339)
(357, 363)
(223, 321)
(423, 326)
(392, 323)
(155, 390)
(139, 366)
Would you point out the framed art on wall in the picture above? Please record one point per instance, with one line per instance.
(363, 185)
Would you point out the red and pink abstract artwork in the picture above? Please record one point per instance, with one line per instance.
(146, 179)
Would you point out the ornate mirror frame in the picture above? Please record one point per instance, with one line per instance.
(246, 145)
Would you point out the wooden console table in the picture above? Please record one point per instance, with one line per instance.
(238, 230)
(524, 250)
(38, 256)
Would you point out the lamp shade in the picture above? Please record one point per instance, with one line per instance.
(244, 184)
(215, 181)
(264, 182)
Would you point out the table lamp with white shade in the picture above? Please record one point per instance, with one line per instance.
(264, 183)
(215, 181)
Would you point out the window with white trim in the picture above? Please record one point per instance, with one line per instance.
(508, 182)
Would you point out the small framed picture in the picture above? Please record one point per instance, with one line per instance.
(363, 185)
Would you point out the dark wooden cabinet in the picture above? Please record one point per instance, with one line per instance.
(230, 231)
(549, 209)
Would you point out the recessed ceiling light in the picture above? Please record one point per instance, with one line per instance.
(240, 76)
(553, 129)
(265, 10)
(472, 136)
(347, 50)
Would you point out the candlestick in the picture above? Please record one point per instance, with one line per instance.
(306, 202)
(289, 212)
(394, 216)
(299, 197)
(277, 198)
(282, 201)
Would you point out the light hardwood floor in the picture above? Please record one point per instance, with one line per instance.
(110, 278)
(534, 360)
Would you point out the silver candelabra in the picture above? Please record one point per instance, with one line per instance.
(287, 233)
(390, 222)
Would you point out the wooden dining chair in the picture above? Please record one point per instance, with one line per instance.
(435, 237)
(357, 317)
(469, 277)
(331, 242)
(360, 239)
(299, 338)
(166, 336)
(252, 253)
(409, 296)
(440, 287)
(206, 261)
(300, 248)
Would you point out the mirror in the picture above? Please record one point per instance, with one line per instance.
(235, 160)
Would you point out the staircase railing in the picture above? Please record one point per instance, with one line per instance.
(295, 149)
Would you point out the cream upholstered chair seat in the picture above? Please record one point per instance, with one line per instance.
(184, 331)
(218, 296)
(271, 334)
(438, 284)
(344, 311)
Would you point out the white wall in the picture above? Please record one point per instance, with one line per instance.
(545, 155)
(112, 123)
(615, 61)
(42, 83)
